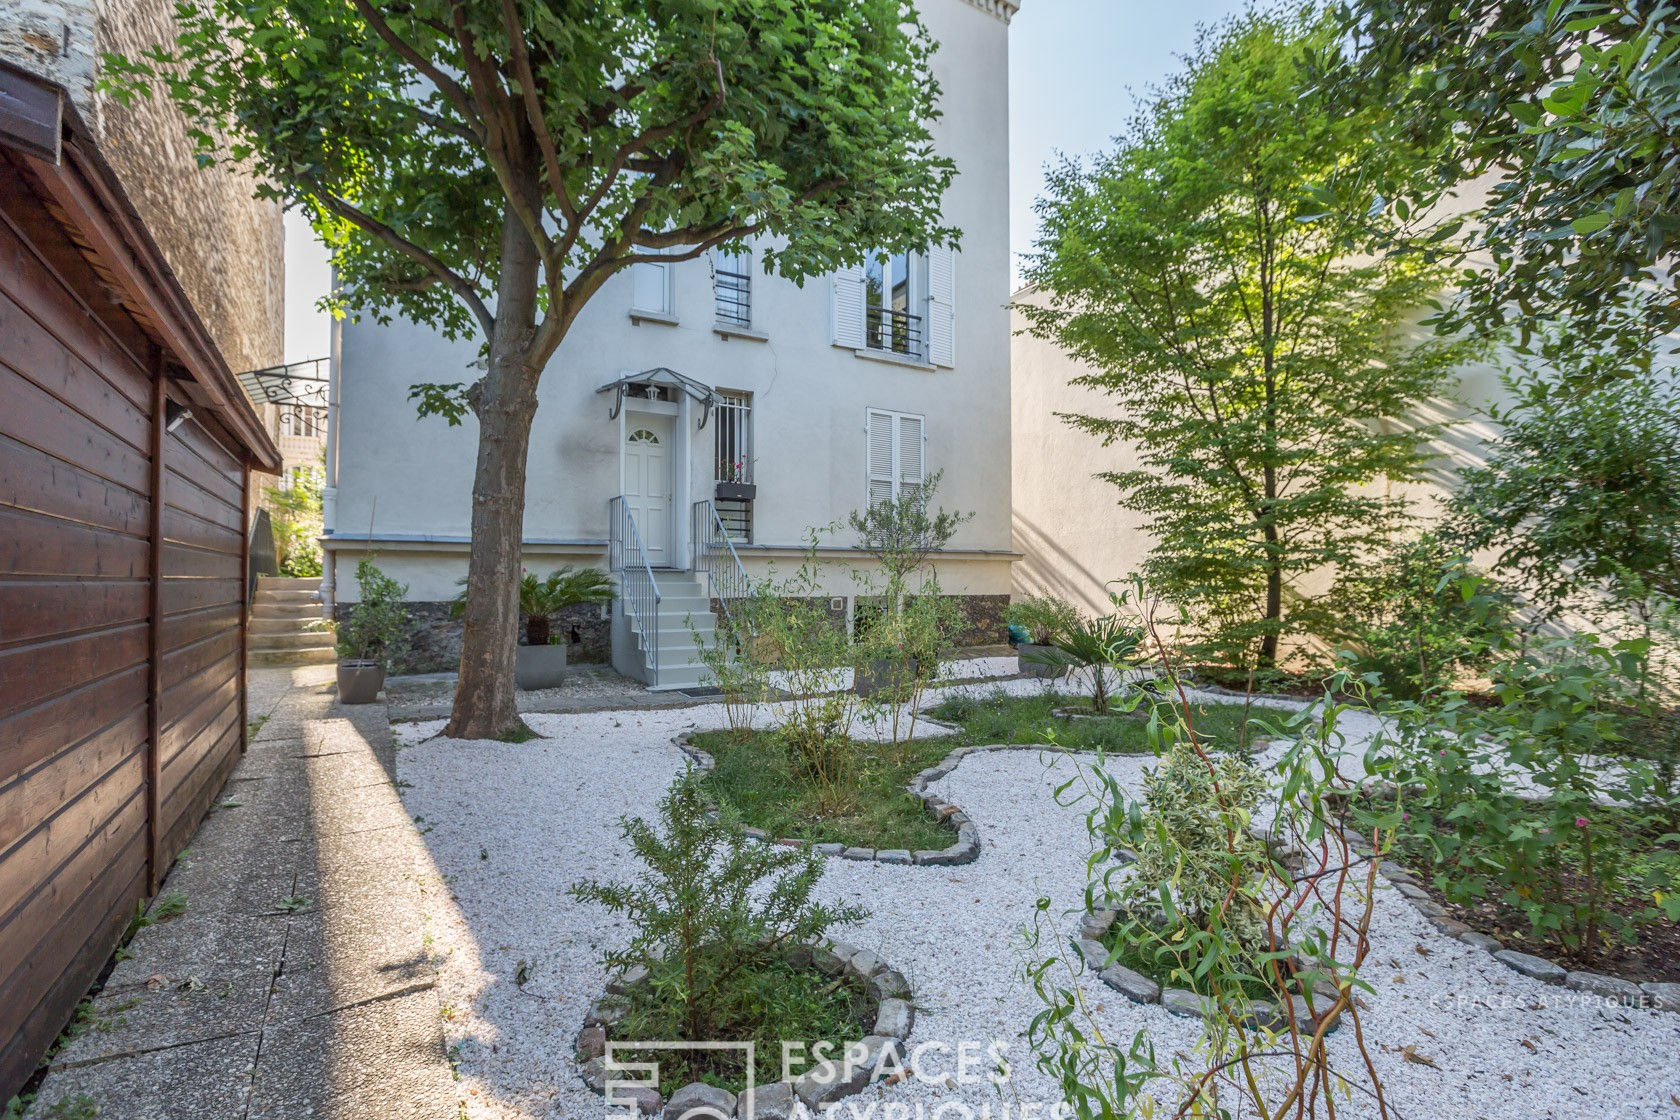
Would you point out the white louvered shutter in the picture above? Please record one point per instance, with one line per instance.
(880, 454)
(846, 308)
(910, 455)
(942, 298)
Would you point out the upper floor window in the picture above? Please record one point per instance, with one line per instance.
(898, 304)
(301, 420)
(653, 288)
(892, 302)
(732, 288)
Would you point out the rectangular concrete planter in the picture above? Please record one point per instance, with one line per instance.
(537, 667)
(1033, 669)
(885, 675)
(737, 491)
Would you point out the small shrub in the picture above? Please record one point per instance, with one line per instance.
(1415, 618)
(1043, 617)
(1104, 647)
(541, 599)
(378, 626)
(713, 913)
(1561, 859)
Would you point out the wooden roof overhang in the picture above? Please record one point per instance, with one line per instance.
(44, 139)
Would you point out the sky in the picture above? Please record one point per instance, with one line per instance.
(1075, 69)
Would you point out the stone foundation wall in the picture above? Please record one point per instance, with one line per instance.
(436, 637)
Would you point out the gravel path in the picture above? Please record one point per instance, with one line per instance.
(510, 827)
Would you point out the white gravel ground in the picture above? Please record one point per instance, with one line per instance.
(511, 826)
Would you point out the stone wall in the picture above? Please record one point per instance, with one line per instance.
(436, 637)
(225, 247)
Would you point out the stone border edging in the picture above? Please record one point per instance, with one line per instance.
(965, 850)
(829, 1081)
(1653, 994)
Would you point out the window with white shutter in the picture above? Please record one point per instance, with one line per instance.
(846, 308)
(941, 304)
(651, 288)
(896, 454)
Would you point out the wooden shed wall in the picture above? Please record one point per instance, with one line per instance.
(84, 617)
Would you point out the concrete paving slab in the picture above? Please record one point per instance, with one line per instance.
(205, 1081)
(379, 1059)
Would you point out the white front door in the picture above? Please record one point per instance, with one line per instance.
(648, 481)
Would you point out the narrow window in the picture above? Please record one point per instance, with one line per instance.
(733, 460)
(895, 456)
(732, 288)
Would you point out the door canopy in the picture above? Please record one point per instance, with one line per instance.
(659, 383)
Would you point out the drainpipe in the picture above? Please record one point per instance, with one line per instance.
(329, 488)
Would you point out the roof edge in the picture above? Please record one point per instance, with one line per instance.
(90, 194)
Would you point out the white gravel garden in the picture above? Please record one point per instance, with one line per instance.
(1452, 1031)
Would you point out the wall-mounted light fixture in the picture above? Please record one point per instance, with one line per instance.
(174, 415)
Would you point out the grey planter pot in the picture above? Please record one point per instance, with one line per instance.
(737, 491)
(1031, 669)
(884, 675)
(537, 667)
(359, 682)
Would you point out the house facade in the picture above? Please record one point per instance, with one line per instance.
(1073, 535)
(703, 417)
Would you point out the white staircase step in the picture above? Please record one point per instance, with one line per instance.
(289, 583)
(319, 639)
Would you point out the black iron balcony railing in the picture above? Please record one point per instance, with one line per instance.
(886, 328)
(734, 297)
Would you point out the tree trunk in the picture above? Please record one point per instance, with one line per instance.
(505, 402)
(1274, 598)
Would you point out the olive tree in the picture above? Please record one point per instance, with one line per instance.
(484, 166)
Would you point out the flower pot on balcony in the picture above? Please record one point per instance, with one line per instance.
(537, 667)
(359, 681)
(737, 491)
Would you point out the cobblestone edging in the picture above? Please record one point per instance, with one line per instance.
(965, 850)
(827, 1082)
(1135, 986)
(1654, 995)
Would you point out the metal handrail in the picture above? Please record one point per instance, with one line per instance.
(887, 328)
(710, 541)
(641, 595)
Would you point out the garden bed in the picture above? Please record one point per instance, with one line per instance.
(1656, 956)
(754, 773)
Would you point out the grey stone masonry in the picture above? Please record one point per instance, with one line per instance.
(698, 1101)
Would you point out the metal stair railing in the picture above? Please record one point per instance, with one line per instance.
(715, 558)
(639, 590)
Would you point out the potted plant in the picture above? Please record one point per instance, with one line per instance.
(375, 634)
(1039, 619)
(540, 662)
(732, 484)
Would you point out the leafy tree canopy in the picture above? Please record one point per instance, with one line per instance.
(1214, 272)
(1565, 114)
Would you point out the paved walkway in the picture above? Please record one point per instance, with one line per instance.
(297, 984)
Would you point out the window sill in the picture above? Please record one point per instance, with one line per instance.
(893, 358)
(734, 330)
(659, 317)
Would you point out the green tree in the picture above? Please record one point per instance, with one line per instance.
(1568, 114)
(485, 166)
(1580, 494)
(296, 512)
(1210, 273)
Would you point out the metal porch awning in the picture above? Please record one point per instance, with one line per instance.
(302, 383)
(660, 377)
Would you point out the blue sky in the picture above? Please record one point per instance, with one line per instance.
(1075, 67)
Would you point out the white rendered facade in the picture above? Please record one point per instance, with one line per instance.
(789, 398)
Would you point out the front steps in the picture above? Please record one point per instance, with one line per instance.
(281, 615)
(681, 599)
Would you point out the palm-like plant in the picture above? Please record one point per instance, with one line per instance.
(1106, 646)
(541, 599)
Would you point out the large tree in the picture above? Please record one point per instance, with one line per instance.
(1210, 271)
(1563, 118)
(484, 166)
